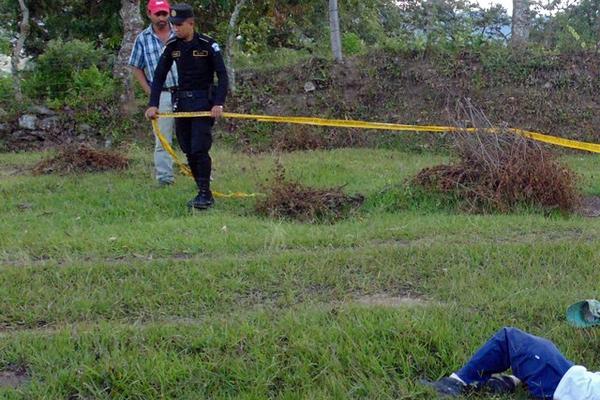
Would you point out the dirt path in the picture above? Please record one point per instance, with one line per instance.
(589, 207)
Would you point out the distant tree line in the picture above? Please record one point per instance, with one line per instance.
(268, 24)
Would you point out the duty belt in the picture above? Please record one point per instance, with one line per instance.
(190, 93)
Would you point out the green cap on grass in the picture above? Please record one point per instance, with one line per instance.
(584, 314)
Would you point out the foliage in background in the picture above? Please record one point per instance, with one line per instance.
(69, 69)
(75, 75)
(5, 46)
(6, 90)
(572, 30)
(267, 25)
(352, 44)
(95, 21)
(11, 108)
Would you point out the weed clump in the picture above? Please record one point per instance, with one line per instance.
(500, 171)
(81, 158)
(292, 200)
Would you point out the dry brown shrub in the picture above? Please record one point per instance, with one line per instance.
(501, 170)
(81, 158)
(292, 200)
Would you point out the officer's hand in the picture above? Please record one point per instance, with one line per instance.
(152, 113)
(216, 112)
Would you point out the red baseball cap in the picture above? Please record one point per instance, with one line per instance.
(156, 6)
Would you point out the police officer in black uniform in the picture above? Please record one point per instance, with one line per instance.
(198, 58)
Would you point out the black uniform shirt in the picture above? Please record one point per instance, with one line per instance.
(197, 61)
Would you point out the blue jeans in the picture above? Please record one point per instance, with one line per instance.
(163, 163)
(534, 360)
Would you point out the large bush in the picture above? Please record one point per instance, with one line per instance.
(77, 75)
(68, 69)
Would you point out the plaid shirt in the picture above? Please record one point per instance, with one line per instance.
(146, 53)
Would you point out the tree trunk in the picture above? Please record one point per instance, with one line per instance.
(231, 43)
(334, 24)
(520, 23)
(16, 56)
(132, 25)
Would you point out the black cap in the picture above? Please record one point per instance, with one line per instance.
(180, 12)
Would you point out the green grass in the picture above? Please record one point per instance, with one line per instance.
(275, 60)
(110, 288)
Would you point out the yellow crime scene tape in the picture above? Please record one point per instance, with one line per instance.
(342, 123)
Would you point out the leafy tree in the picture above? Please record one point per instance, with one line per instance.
(574, 28)
(96, 21)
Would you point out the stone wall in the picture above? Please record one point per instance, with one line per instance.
(41, 128)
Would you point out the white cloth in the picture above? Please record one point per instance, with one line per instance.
(578, 384)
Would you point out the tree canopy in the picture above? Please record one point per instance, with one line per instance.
(294, 24)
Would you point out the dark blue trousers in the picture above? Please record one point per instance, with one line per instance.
(535, 361)
(194, 134)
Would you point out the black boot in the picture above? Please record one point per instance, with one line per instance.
(500, 384)
(447, 387)
(204, 199)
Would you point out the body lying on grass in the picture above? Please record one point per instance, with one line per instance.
(535, 362)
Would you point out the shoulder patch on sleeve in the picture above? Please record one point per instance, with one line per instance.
(216, 47)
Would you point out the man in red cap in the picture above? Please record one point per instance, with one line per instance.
(146, 52)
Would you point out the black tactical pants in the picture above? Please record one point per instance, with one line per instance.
(194, 134)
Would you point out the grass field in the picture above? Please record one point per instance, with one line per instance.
(110, 288)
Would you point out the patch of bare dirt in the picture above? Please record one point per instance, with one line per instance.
(589, 207)
(13, 377)
(81, 158)
(11, 170)
(387, 300)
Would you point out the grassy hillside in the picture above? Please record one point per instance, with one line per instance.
(534, 90)
(111, 289)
